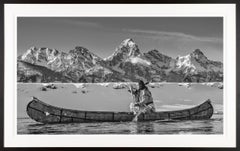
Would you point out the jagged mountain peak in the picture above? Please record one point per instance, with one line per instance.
(196, 62)
(198, 51)
(79, 49)
(31, 50)
(128, 42)
(40, 56)
(35, 50)
(128, 47)
(199, 55)
(158, 59)
(155, 52)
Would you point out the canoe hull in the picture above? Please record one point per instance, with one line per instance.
(45, 113)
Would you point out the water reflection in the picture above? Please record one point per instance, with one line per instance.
(212, 126)
(145, 128)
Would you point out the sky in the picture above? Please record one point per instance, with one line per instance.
(172, 36)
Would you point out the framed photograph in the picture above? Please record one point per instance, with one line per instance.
(120, 75)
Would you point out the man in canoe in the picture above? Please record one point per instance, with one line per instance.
(143, 101)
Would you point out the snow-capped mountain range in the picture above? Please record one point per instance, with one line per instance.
(126, 64)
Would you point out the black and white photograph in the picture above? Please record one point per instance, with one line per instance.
(120, 75)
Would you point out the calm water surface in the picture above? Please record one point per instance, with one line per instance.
(212, 126)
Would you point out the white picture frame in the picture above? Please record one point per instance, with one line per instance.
(12, 11)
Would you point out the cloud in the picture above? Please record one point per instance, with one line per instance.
(186, 100)
(81, 23)
(168, 35)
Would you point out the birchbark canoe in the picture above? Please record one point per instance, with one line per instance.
(45, 113)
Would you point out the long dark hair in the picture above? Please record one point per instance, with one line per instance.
(142, 83)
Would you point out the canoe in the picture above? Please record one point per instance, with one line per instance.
(45, 113)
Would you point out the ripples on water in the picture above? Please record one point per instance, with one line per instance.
(212, 126)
